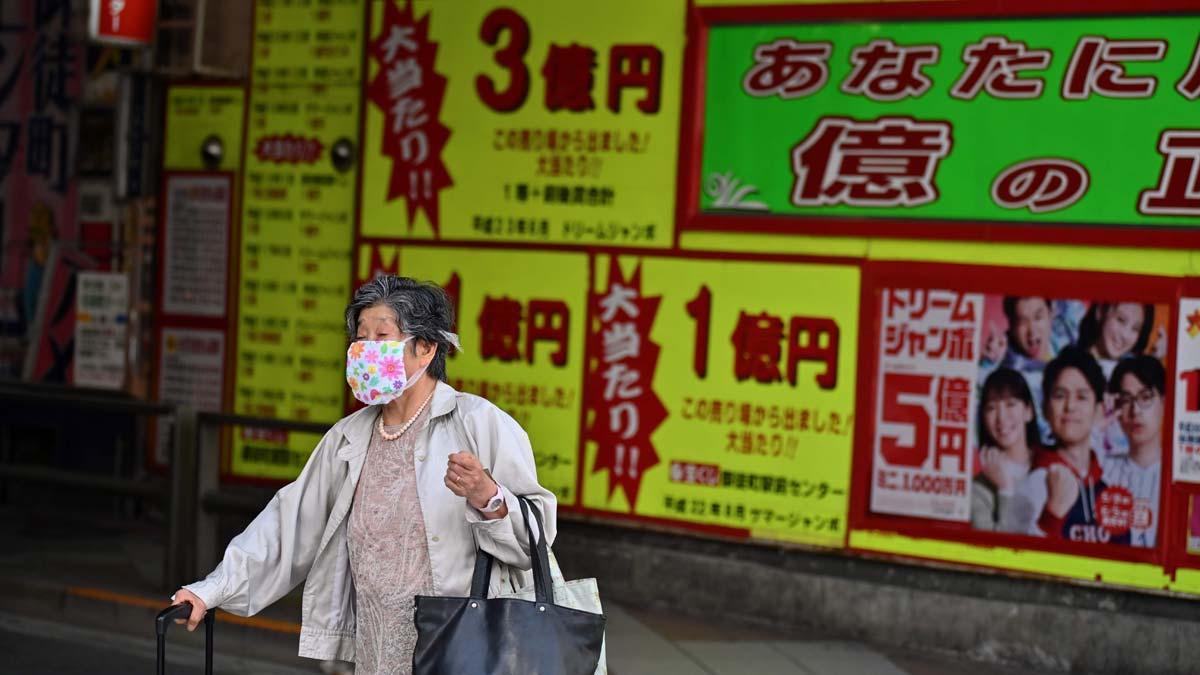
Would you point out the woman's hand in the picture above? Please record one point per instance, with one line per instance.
(198, 607)
(1062, 490)
(994, 466)
(466, 478)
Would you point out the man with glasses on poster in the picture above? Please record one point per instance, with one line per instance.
(1139, 384)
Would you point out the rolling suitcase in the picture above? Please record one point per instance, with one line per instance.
(164, 620)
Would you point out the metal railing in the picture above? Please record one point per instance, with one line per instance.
(191, 495)
(196, 481)
(66, 398)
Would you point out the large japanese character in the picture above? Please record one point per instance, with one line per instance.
(569, 78)
(414, 147)
(885, 71)
(404, 76)
(623, 419)
(1178, 189)
(549, 321)
(399, 37)
(619, 299)
(813, 339)
(1189, 85)
(622, 341)
(950, 442)
(954, 398)
(994, 64)
(756, 347)
(788, 69)
(409, 114)
(621, 381)
(500, 329)
(46, 151)
(887, 162)
(1098, 66)
(53, 68)
(637, 67)
(1041, 185)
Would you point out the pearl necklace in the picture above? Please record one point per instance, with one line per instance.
(391, 437)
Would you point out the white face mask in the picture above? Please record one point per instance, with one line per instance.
(375, 370)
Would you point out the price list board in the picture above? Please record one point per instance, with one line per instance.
(314, 41)
(297, 228)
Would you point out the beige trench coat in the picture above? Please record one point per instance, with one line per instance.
(301, 534)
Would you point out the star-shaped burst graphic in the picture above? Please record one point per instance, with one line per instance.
(1193, 320)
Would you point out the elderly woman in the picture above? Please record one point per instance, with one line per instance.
(393, 501)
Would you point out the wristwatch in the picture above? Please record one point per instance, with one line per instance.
(495, 502)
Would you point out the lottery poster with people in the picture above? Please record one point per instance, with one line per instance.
(1028, 415)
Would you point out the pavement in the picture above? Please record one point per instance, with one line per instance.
(81, 598)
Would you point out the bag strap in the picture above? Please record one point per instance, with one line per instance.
(482, 575)
(542, 585)
(538, 554)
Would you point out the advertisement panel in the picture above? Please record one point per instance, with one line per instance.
(1042, 418)
(925, 403)
(1187, 398)
(720, 395)
(957, 122)
(41, 78)
(528, 122)
(197, 210)
(101, 318)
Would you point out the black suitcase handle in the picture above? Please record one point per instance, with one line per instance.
(164, 620)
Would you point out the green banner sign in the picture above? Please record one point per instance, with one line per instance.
(1089, 121)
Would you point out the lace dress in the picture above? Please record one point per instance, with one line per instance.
(389, 557)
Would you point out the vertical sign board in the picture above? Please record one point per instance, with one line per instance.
(1022, 415)
(197, 210)
(101, 318)
(297, 229)
(925, 403)
(41, 75)
(202, 145)
(1187, 393)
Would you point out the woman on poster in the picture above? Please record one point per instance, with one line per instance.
(1112, 332)
(394, 500)
(1008, 437)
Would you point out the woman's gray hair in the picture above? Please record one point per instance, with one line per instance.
(423, 311)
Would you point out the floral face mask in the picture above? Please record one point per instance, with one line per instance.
(375, 371)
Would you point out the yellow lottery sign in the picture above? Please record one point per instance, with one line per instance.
(722, 394)
(297, 228)
(196, 115)
(298, 208)
(521, 322)
(531, 122)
